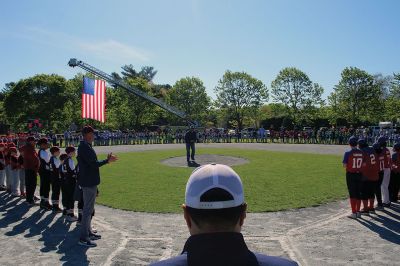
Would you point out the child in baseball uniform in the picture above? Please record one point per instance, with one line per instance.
(394, 185)
(45, 175)
(7, 158)
(55, 178)
(2, 168)
(353, 162)
(14, 172)
(21, 172)
(370, 180)
(69, 183)
(386, 171)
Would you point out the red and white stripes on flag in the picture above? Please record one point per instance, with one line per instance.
(94, 99)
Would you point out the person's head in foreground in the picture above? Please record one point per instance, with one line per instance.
(215, 211)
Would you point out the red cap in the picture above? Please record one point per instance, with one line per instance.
(30, 138)
(12, 149)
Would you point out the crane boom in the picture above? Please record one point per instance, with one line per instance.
(73, 62)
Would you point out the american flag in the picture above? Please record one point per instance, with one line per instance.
(94, 99)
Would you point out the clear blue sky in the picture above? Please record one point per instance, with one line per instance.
(201, 38)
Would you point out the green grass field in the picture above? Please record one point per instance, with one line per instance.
(272, 180)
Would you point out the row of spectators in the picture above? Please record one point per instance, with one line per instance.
(338, 136)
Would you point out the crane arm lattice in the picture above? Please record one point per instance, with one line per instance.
(73, 62)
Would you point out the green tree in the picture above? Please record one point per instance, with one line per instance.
(294, 89)
(128, 71)
(189, 95)
(358, 97)
(239, 93)
(392, 102)
(126, 110)
(42, 96)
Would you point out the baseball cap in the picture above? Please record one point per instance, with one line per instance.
(212, 176)
(362, 143)
(54, 149)
(376, 146)
(87, 129)
(30, 138)
(12, 149)
(42, 141)
(353, 140)
(382, 140)
(69, 149)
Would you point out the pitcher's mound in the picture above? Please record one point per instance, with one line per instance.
(204, 159)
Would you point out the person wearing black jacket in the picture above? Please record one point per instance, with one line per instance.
(89, 179)
(190, 140)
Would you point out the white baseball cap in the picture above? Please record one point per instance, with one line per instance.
(211, 176)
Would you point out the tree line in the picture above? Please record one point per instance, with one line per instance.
(292, 100)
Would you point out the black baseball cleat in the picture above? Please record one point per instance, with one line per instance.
(364, 212)
(87, 243)
(44, 206)
(56, 209)
(94, 236)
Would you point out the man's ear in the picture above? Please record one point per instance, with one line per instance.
(186, 215)
(243, 215)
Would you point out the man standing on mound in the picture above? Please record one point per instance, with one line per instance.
(214, 211)
(89, 179)
(190, 140)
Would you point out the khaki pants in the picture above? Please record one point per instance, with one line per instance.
(89, 198)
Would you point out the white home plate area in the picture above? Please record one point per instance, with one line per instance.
(320, 235)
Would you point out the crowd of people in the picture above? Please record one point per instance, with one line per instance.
(19, 166)
(371, 173)
(323, 135)
(23, 160)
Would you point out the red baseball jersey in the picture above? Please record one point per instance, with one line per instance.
(354, 160)
(371, 167)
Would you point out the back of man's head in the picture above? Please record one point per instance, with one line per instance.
(214, 200)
